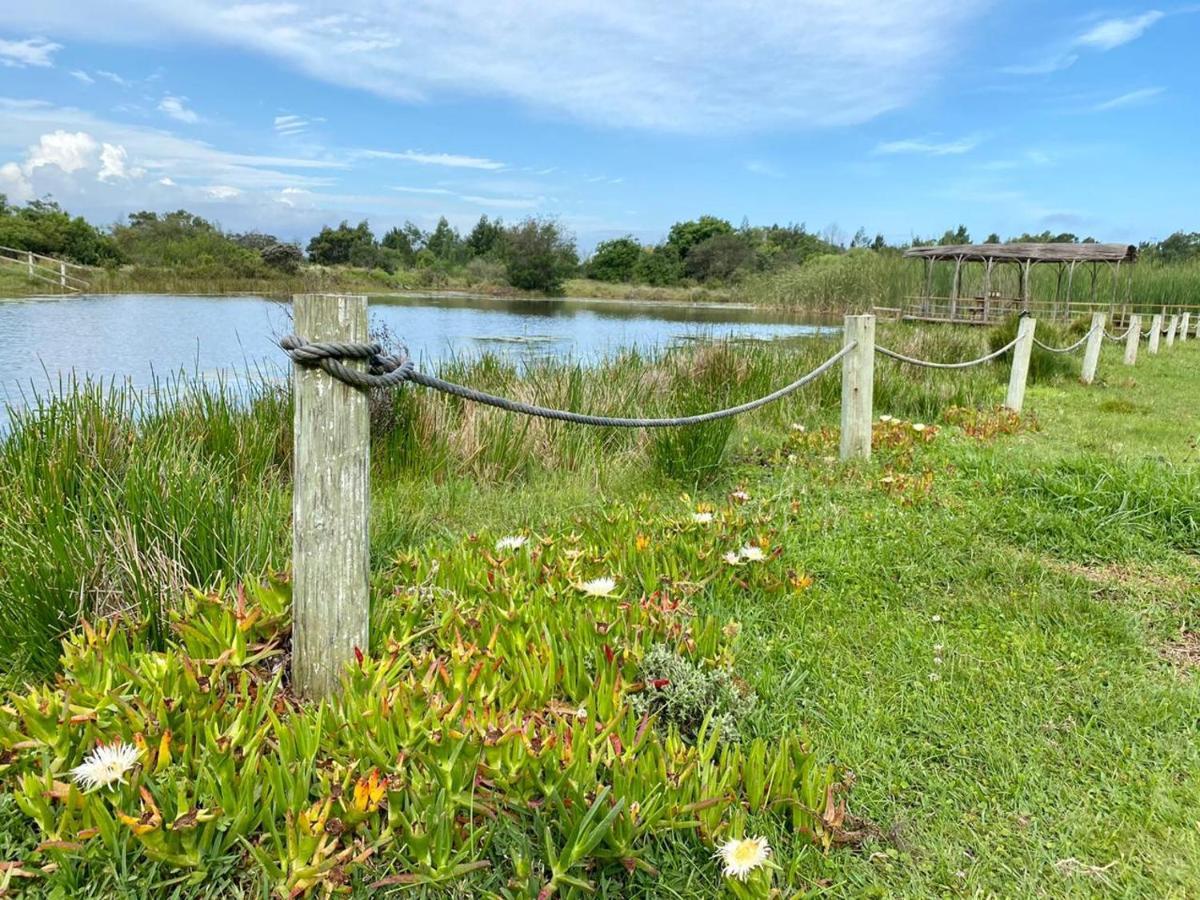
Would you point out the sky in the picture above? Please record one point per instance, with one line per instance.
(616, 117)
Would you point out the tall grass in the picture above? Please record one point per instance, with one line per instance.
(112, 499)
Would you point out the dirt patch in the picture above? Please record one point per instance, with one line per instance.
(1184, 651)
(1133, 577)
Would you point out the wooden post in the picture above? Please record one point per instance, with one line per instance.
(62, 274)
(1091, 352)
(330, 503)
(1020, 364)
(858, 387)
(1172, 325)
(1133, 339)
(1184, 321)
(1155, 332)
(29, 261)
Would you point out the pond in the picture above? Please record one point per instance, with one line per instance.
(138, 338)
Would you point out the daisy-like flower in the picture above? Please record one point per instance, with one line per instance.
(732, 558)
(599, 587)
(885, 418)
(919, 426)
(752, 553)
(702, 518)
(796, 426)
(743, 856)
(108, 764)
(740, 496)
(512, 542)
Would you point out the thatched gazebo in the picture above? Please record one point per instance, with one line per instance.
(988, 282)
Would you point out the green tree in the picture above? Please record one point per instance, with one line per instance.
(445, 242)
(485, 238)
(658, 266)
(1181, 246)
(339, 246)
(683, 236)
(399, 241)
(44, 227)
(719, 257)
(614, 260)
(539, 255)
(958, 235)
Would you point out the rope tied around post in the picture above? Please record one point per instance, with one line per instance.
(389, 371)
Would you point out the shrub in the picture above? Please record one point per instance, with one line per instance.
(539, 255)
(614, 260)
(282, 257)
(681, 694)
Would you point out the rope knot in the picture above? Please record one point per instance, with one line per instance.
(383, 370)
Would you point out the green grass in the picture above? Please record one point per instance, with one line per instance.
(1052, 572)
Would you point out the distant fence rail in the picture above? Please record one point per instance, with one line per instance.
(335, 366)
(71, 277)
(994, 308)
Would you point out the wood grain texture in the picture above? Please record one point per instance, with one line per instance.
(858, 387)
(1091, 352)
(1020, 364)
(330, 504)
(1133, 339)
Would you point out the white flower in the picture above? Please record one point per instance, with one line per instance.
(106, 765)
(937, 648)
(512, 542)
(752, 552)
(599, 587)
(918, 426)
(741, 857)
(937, 660)
(935, 618)
(796, 426)
(740, 496)
(733, 559)
(934, 676)
(886, 418)
(792, 457)
(702, 518)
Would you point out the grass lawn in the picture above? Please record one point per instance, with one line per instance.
(995, 632)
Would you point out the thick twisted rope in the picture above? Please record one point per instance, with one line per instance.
(1117, 338)
(928, 364)
(389, 371)
(1075, 346)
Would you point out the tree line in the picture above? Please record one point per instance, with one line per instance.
(533, 254)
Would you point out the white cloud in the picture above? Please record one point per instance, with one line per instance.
(14, 185)
(83, 76)
(1113, 33)
(114, 78)
(417, 190)
(166, 182)
(114, 164)
(222, 192)
(176, 108)
(29, 52)
(928, 148)
(451, 160)
(69, 151)
(716, 66)
(1132, 98)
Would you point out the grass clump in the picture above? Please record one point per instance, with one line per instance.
(691, 698)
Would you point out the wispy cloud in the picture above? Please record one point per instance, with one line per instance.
(724, 67)
(418, 190)
(450, 160)
(289, 125)
(1132, 98)
(1055, 63)
(177, 108)
(83, 76)
(1112, 33)
(29, 52)
(925, 147)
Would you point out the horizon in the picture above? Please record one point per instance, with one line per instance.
(904, 120)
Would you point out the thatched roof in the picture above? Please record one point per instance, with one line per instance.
(1037, 253)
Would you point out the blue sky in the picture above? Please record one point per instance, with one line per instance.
(903, 117)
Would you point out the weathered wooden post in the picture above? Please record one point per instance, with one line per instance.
(62, 274)
(1091, 352)
(330, 503)
(1155, 332)
(858, 387)
(1172, 325)
(1184, 322)
(1020, 364)
(29, 261)
(1132, 339)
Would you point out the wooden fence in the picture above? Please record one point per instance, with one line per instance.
(68, 276)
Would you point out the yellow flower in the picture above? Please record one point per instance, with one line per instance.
(642, 543)
(369, 792)
(741, 857)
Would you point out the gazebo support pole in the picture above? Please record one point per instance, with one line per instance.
(1070, 279)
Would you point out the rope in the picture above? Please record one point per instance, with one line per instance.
(1075, 346)
(388, 371)
(1117, 338)
(927, 364)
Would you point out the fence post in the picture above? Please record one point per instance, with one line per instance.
(330, 503)
(29, 261)
(1132, 339)
(1091, 353)
(1184, 321)
(62, 274)
(1020, 363)
(858, 387)
(1172, 325)
(1155, 332)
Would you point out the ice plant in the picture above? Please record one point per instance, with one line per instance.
(512, 542)
(599, 587)
(702, 518)
(752, 553)
(732, 558)
(740, 496)
(106, 765)
(743, 855)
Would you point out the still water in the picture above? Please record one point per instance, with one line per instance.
(138, 338)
